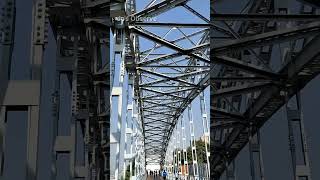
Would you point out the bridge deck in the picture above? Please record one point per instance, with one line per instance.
(154, 177)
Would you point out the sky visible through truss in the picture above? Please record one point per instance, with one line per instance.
(179, 15)
(175, 15)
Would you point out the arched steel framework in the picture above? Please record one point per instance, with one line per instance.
(265, 51)
(167, 74)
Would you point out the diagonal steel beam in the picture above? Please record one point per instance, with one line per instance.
(159, 8)
(314, 3)
(177, 40)
(150, 122)
(162, 93)
(222, 112)
(271, 100)
(181, 25)
(167, 78)
(239, 79)
(268, 38)
(170, 45)
(265, 17)
(241, 89)
(246, 67)
(176, 78)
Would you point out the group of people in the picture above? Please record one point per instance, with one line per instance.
(156, 173)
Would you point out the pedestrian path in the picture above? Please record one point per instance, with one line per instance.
(154, 178)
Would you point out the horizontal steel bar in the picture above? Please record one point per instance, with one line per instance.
(239, 79)
(264, 17)
(167, 25)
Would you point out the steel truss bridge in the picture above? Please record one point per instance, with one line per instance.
(165, 65)
(138, 89)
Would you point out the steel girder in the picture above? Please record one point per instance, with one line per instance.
(79, 44)
(159, 8)
(11, 96)
(313, 3)
(86, 77)
(248, 88)
(265, 17)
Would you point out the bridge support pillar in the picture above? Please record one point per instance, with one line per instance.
(256, 163)
(22, 95)
(195, 166)
(297, 140)
(68, 137)
(230, 172)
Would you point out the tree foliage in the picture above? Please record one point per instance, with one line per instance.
(201, 153)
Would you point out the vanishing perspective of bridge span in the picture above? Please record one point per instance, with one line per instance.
(145, 86)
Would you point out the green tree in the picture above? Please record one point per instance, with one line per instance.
(128, 171)
(201, 153)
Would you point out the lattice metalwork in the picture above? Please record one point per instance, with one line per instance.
(168, 64)
(80, 69)
(170, 78)
(263, 53)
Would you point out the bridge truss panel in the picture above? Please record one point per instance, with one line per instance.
(263, 53)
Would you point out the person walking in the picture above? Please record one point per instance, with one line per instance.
(176, 175)
(164, 174)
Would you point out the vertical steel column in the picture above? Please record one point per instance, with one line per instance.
(230, 167)
(230, 172)
(7, 27)
(56, 109)
(128, 130)
(256, 163)
(39, 37)
(255, 155)
(131, 128)
(68, 64)
(206, 133)
(9, 89)
(184, 149)
(138, 136)
(135, 134)
(140, 159)
(171, 154)
(193, 145)
(175, 155)
(169, 158)
(101, 94)
(74, 107)
(297, 140)
(117, 92)
(179, 149)
(136, 164)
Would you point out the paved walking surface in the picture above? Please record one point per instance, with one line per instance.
(154, 178)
